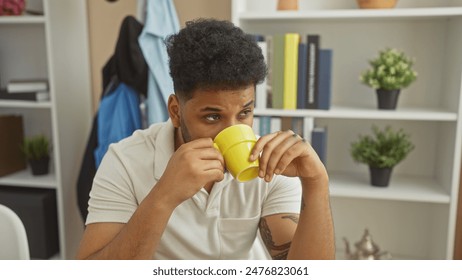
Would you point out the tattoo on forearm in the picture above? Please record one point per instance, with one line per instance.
(269, 243)
(282, 255)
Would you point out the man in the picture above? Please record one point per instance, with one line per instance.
(164, 192)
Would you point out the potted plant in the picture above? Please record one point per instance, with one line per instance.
(382, 151)
(37, 152)
(390, 72)
(376, 4)
(287, 5)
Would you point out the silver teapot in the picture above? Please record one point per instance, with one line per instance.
(366, 249)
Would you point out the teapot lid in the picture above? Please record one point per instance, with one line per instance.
(366, 245)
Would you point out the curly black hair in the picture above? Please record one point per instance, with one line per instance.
(211, 54)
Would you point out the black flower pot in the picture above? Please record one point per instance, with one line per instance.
(387, 99)
(380, 177)
(39, 166)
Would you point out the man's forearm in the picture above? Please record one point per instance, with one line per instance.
(314, 237)
(140, 237)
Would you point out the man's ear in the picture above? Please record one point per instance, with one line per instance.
(173, 107)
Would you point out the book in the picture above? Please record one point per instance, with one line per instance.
(268, 125)
(312, 70)
(301, 79)
(277, 69)
(308, 125)
(284, 70)
(275, 124)
(256, 125)
(297, 126)
(12, 135)
(325, 79)
(38, 96)
(265, 125)
(286, 123)
(291, 41)
(319, 142)
(19, 86)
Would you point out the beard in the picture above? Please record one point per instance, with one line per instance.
(184, 132)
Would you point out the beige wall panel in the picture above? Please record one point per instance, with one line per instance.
(105, 18)
(191, 9)
(104, 22)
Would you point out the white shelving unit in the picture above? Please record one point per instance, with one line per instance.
(53, 46)
(413, 218)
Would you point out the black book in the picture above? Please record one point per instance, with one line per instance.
(312, 71)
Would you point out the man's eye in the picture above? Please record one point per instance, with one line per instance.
(245, 113)
(212, 118)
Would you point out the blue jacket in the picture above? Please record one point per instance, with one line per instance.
(119, 115)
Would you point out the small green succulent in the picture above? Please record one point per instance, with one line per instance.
(36, 147)
(391, 70)
(385, 148)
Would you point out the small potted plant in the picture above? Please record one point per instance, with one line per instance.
(376, 4)
(382, 151)
(37, 152)
(390, 72)
(12, 7)
(287, 5)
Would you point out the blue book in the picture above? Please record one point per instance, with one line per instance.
(319, 142)
(301, 80)
(325, 79)
(265, 125)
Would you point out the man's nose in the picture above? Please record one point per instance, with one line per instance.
(231, 122)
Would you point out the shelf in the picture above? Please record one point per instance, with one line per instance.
(337, 112)
(401, 188)
(357, 14)
(44, 46)
(417, 212)
(25, 178)
(26, 19)
(25, 104)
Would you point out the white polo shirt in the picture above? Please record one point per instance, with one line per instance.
(219, 225)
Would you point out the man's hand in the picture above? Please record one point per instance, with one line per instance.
(286, 153)
(192, 166)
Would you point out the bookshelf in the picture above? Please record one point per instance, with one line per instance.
(413, 218)
(52, 46)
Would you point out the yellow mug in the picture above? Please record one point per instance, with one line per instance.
(235, 143)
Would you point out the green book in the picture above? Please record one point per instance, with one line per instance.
(278, 71)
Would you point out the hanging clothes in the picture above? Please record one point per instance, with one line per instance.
(125, 71)
(161, 21)
(119, 116)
